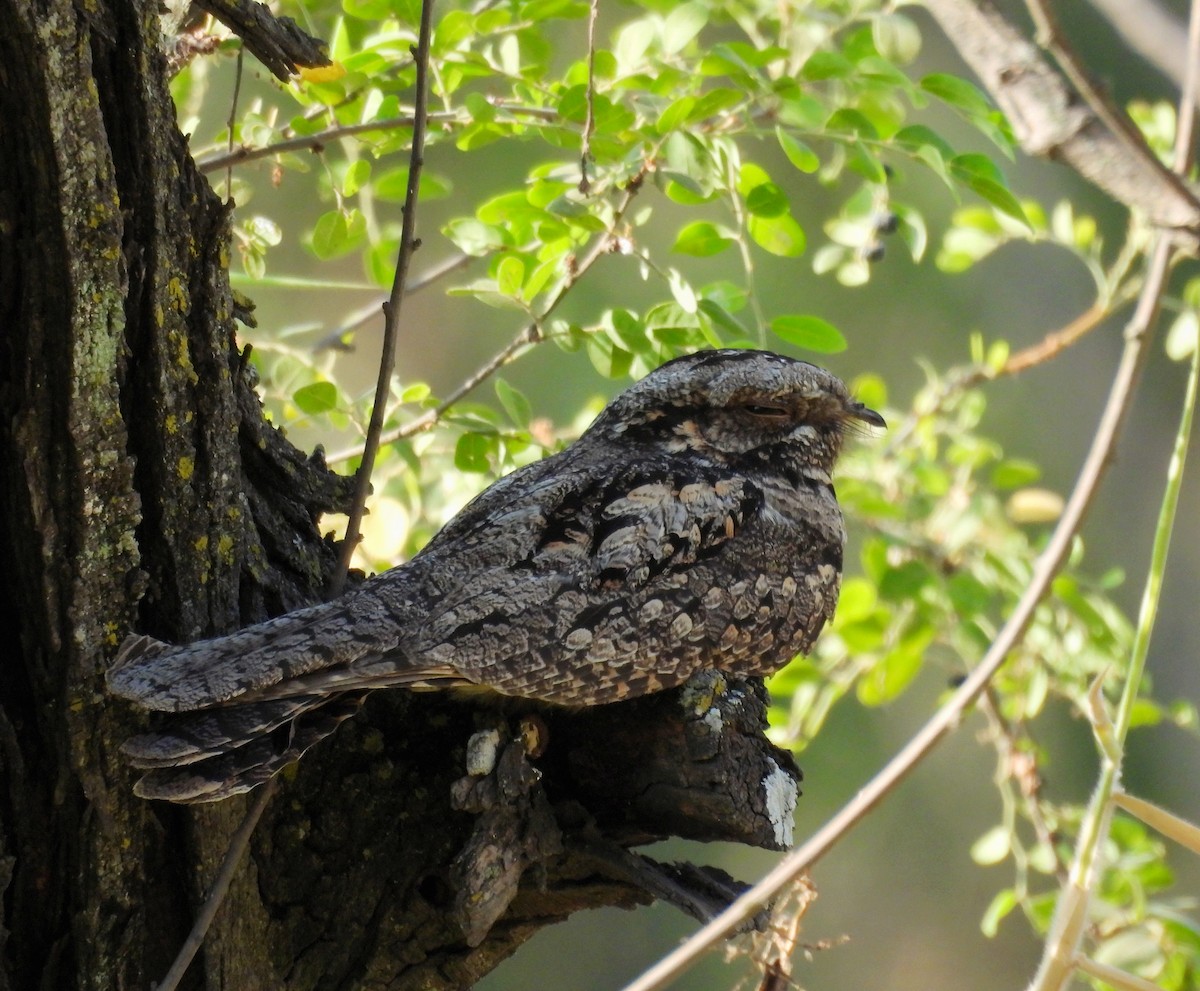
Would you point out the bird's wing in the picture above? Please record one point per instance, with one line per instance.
(651, 521)
(658, 514)
(538, 623)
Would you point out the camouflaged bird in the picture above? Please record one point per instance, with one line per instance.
(693, 525)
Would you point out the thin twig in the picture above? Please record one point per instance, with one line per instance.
(1115, 977)
(1057, 341)
(1051, 37)
(1049, 120)
(318, 141)
(1185, 129)
(364, 315)
(589, 122)
(237, 89)
(314, 142)
(1061, 954)
(1070, 917)
(947, 718)
(220, 887)
(1021, 767)
(528, 335)
(391, 309)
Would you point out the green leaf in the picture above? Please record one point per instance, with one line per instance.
(856, 602)
(798, 153)
(510, 274)
(912, 230)
(957, 92)
(779, 235)
(329, 234)
(316, 397)
(264, 230)
(514, 402)
(676, 114)
(866, 163)
(1181, 338)
(979, 174)
(474, 237)
(485, 291)
(897, 38)
(826, 65)
(992, 847)
(905, 582)
(1015, 473)
(357, 176)
(766, 200)
(968, 595)
(608, 359)
(1001, 905)
(681, 289)
(336, 233)
(721, 317)
(811, 333)
(970, 101)
(682, 24)
(895, 672)
(927, 145)
(702, 239)
(481, 109)
(471, 452)
(851, 121)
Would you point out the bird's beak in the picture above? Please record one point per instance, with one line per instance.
(861, 412)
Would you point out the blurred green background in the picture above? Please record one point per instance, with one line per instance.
(902, 887)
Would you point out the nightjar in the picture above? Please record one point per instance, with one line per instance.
(693, 525)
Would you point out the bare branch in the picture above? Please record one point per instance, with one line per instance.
(317, 142)
(220, 887)
(311, 142)
(1050, 121)
(232, 122)
(333, 340)
(391, 309)
(277, 42)
(589, 123)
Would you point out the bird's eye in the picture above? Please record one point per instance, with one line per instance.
(767, 412)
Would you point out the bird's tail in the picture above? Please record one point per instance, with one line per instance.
(236, 709)
(211, 754)
(338, 636)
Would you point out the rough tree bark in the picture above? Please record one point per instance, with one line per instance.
(142, 489)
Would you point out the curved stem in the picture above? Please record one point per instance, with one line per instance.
(220, 887)
(391, 309)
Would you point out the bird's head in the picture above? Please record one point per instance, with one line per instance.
(749, 409)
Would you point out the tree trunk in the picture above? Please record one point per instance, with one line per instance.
(142, 489)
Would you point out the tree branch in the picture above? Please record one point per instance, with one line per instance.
(391, 309)
(277, 42)
(1050, 121)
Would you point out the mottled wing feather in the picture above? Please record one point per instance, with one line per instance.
(196, 736)
(246, 766)
(600, 549)
(664, 523)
